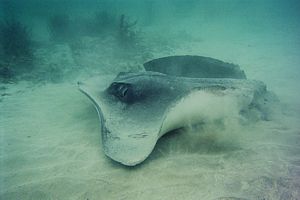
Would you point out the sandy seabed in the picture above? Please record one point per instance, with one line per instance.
(51, 143)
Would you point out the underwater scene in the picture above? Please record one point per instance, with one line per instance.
(150, 99)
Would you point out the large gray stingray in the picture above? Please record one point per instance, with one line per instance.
(136, 109)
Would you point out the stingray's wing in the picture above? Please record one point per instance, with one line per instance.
(129, 130)
(195, 66)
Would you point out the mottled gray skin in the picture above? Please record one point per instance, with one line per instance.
(133, 107)
(136, 109)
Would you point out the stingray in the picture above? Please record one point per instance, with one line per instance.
(137, 108)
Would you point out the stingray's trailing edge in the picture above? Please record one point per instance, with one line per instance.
(195, 67)
(135, 108)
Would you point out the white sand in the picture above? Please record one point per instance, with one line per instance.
(50, 142)
(51, 149)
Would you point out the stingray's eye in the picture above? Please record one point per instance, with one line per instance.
(123, 91)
